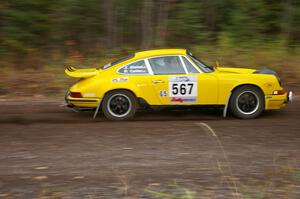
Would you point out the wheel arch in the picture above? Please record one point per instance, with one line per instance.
(141, 101)
(226, 108)
(117, 89)
(120, 89)
(242, 85)
(227, 105)
(247, 84)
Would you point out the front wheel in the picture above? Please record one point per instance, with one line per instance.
(119, 105)
(247, 102)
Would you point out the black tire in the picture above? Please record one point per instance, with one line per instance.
(247, 102)
(119, 105)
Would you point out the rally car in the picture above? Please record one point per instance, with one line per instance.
(173, 77)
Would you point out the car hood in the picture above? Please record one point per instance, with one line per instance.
(234, 70)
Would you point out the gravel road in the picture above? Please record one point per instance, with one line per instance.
(48, 151)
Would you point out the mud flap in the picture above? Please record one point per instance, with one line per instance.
(226, 105)
(97, 110)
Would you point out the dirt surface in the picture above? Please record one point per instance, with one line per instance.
(49, 151)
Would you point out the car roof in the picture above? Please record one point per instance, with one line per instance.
(159, 52)
(145, 54)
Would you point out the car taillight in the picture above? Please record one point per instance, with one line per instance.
(75, 95)
(279, 92)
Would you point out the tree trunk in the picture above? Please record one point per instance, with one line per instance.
(162, 22)
(147, 24)
(110, 23)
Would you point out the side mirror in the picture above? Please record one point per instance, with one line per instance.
(217, 64)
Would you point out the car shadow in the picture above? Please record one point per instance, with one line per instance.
(188, 115)
(179, 114)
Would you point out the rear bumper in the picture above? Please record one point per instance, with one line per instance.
(278, 101)
(81, 102)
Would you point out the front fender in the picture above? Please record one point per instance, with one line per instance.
(267, 83)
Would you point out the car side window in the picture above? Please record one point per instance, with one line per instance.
(190, 68)
(166, 65)
(135, 68)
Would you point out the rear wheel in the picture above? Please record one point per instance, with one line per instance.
(119, 105)
(247, 102)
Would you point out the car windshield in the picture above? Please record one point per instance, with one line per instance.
(200, 64)
(117, 62)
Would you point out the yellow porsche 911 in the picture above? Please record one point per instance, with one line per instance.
(173, 77)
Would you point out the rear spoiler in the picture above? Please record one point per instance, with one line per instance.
(81, 73)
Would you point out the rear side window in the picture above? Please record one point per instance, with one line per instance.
(135, 68)
(166, 65)
(190, 68)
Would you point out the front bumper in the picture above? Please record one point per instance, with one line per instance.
(278, 101)
(289, 97)
(86, 102)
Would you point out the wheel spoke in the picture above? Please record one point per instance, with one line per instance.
(119, 104)
(247, 102)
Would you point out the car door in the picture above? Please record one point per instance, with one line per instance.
(178, 81)
(207, 83)
(171, 83)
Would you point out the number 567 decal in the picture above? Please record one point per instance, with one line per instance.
(183, 89)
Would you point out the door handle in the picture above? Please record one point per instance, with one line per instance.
(158, 81)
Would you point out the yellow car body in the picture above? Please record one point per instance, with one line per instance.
(208, 88)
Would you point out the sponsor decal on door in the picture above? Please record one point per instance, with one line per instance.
(183, 89)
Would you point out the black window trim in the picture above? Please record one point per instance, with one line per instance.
(192, 57)
(123, 59)
(176, 55)
(193, 64)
